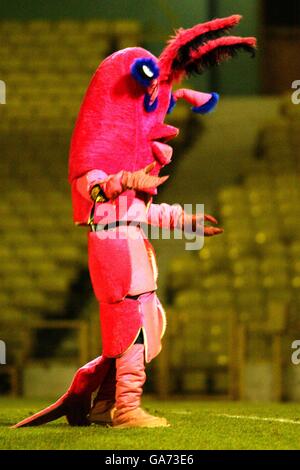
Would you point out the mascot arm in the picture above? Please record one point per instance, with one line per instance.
(100, 187)
(174, 217)
(165, 215)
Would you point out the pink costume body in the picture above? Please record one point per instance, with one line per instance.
(122, 265)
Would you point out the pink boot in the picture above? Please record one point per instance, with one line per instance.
(130, 380)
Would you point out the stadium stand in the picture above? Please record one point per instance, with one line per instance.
(230, 302)
(47, 62)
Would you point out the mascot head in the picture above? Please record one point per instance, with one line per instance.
(121, 121)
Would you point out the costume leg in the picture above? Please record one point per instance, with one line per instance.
(131, 376)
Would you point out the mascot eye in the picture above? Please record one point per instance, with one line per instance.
(147, 71)
(172, 104)
(144, 70)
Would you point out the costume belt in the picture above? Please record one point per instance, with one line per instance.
(117, 223)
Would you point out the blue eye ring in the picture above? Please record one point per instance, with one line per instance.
(150, 107)
(172, 104)
(209, 106)
(144, 70)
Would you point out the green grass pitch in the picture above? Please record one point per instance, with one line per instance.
(194, 425)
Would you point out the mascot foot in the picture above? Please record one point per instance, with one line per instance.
(138, 418)
(75, 404)
(74, 408)
(102, 412)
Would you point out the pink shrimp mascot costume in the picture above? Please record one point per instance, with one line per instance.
(117, 151)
